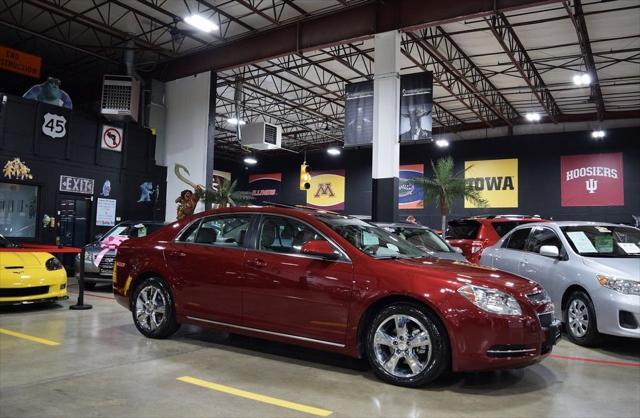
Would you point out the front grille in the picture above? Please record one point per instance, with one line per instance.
(107, 263)
(546, 319)
(23, 291)
(509, 350)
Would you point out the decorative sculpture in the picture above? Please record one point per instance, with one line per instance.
(49, 92)
(188, 200)
(16, 169)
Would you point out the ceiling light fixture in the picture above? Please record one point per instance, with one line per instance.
(597, 134)
(442, 143)
(532, 116)
(333, 151)
(250, 160)
(235, 121)
(583, 79)
(201, 23)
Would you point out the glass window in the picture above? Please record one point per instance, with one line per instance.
(189, 235)
(463, 229)
(542, 236)
(504, 227)
(285, 235)
(604, 240)
(227, 230)
(518, 239)
(423, 238)
(18, 210)
(132, 231)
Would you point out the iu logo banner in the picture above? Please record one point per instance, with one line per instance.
(496, 180)
(265, 187)
(410, 196)
(327, 190)
(592, 180)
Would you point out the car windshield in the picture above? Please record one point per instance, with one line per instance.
(5, 243)
(132, 230)
(422, 238)
(603, 240)
(370, 239)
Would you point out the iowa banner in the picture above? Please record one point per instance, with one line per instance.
(496, 180)
(592, 180)
(410, 196)
(327, 190)
(265, 187)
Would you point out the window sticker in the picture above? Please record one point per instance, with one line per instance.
(603, 229)
(604, 243)
(582, 243)
(393, 247)
(629, 247)
(369, 239)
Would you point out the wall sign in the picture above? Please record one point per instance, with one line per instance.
(416, 104)
(106, 212)
(20, 62)
(76, 185)
(112, 138)
(265, 187)
(358, 113)
(592, 180)
(327, 190)
(54, 126)
(410, 196)
(496, 180)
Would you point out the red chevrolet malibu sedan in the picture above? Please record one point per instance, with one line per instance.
(336, 283)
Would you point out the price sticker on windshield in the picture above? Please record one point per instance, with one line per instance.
(629, 247)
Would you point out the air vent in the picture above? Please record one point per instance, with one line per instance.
(120, 97)
(270, 134)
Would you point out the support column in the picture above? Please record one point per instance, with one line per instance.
(386, 117)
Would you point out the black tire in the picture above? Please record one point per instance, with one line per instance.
(591, 336)
(434, 364)
(89, 285)
(151, 323)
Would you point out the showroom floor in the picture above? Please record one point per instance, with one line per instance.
(102, 366)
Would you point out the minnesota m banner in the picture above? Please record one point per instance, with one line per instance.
(327, 190)
(496, 180)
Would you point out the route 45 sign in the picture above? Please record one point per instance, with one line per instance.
(54, 126)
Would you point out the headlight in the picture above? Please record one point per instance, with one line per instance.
(626, 287)
(53, 264)
(491, 300)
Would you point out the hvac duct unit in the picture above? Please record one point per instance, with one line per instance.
(261, 135)
(120, 97)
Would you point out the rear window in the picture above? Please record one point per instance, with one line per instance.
(466, 229)
(503, 227)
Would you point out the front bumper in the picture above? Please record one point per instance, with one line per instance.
(34, 301)
(617, 314)
(34, 287)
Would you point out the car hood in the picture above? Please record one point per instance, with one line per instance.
(447, 255)
(462, 272)
(625, 268)
(23, 259)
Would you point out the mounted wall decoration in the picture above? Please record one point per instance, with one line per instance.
(106, 212)
(146, 192)
(112, 138)
(20, 62)
(54, 126)
(416, 103)
(265, 187)
(496, 180)
(106, 188)
(410, 195)
(49, 92)
(592, 180)
(327, 190)
(17, 170)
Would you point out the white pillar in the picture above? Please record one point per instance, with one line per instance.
(386, 119)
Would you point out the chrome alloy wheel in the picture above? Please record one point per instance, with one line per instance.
(151, 308)
(402, 346)
(578, 318)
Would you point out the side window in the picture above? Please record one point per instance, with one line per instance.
(285, 235)
(189, 234)
(225, 230)
(542, 236)
(518, 239)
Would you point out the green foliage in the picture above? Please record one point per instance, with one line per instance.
(445, 186)
(227, 195)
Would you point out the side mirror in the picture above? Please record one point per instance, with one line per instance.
(319, 248)
(550, 251)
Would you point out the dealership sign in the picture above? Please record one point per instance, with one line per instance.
(592, 180)
(327, 190)
(76, 185)
(410, 196)
(265, 187)
(496, 180)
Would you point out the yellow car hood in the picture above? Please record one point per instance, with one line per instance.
(23, 259)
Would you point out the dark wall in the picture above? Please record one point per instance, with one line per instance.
(538, 165)
(79, 154)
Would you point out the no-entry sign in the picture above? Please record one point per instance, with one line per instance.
(112, 138)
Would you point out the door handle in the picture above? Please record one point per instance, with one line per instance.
(257, 263)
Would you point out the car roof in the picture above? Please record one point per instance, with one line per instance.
(407, 225)
(276, 209)
(575, 223)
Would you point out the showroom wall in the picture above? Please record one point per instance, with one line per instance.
(78, 154)
(538, 159)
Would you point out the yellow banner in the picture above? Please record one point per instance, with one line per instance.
(496, 180)
(327, 190)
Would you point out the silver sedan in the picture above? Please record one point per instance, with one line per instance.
(590, 270)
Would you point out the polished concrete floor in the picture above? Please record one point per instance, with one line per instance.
(103, 367)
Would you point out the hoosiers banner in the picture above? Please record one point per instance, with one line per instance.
(592, 180)
(496, 180)
(327, 190)
(265, 187)
(410, 196)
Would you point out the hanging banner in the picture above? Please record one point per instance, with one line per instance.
(20, 62)
(105, 212)
(112, 138)
(410, 196)
(265, 187)
(327, 190)
(358, 114)
(496, 180)
(592, 180)
(416, 103)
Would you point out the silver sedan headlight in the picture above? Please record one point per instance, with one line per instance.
(491, 300)
(626, 287)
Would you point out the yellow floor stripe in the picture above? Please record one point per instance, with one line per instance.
(256, 397)
(28, 337)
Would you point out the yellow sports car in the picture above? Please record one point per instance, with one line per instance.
(29, 276)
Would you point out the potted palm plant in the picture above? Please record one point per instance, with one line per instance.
(446, 185)
(226, 195)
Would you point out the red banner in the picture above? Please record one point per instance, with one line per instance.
(592, 180)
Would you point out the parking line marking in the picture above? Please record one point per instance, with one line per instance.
(28, 337)
(256, 397)
(596, 361)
